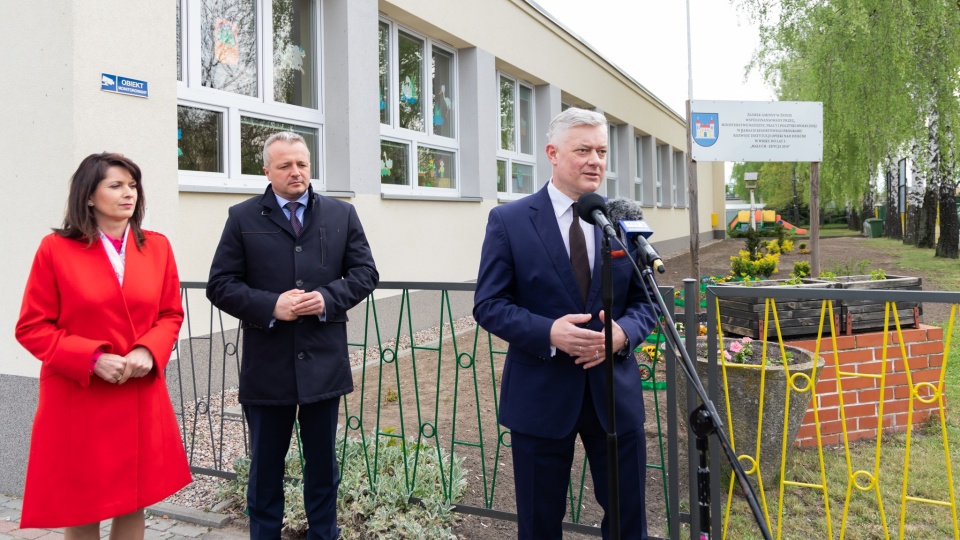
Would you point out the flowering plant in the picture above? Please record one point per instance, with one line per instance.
(739, 351)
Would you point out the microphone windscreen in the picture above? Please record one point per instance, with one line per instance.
(621, 209)
(589, 202)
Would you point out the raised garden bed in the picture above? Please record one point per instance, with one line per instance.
(744, 315)
(863, 315)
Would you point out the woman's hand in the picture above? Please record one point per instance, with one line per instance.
(110, 367)
(139, 362)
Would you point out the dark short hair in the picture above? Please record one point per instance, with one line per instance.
(78, 221)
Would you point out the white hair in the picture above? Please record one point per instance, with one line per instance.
(286, 136)
(571, 118)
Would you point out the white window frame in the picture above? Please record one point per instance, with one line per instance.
(680, 180)
(518, 157)
(659, 156)
(191, 93)
(638, 172)
(415, 139)
(613, 154)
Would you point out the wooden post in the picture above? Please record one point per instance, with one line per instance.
(815, 219)
(693, 206)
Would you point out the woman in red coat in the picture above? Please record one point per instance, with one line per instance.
(102, 311)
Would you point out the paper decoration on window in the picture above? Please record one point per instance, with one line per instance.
(225, 45)
(179, 137)
(408, 90)
(386, 164)
(437, 117)
(291, 57)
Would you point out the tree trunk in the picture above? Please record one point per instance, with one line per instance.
(892, 228)
(949, 226)
(853, 219)
(927, 226)
(911, 232)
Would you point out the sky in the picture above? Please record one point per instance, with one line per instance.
(647, 39)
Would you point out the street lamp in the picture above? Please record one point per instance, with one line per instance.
(750, 180)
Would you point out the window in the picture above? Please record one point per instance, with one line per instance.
(613, 189)
(659, 175)
(247, 69)
(417, 79)
(638, 174)
(680, 179)
(515, 159)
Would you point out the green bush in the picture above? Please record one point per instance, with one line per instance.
(745, 266)
(801, 268)
(773, 247)
(381, 508)
(786, 246)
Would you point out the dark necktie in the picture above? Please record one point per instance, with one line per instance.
(294, 222)
(578, 255)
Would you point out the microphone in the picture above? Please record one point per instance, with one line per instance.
(593, 210)
(629, 215)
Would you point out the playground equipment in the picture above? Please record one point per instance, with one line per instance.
(765, 219)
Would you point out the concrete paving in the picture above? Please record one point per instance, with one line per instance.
(189, 525)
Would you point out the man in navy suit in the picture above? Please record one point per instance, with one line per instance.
(540, 292)
(290, 264)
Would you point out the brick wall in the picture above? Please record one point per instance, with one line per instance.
(862, 354)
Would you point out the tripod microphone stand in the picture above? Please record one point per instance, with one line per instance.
(704, 420)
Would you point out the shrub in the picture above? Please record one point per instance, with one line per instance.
(753, 243)
(786, 246)
(801, 268)
(773, 247)
(745, 266)
(368, 509)
(803, 245)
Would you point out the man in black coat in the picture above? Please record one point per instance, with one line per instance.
(290, 264)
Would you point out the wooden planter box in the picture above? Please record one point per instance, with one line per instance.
(743, 316)
(861, 315)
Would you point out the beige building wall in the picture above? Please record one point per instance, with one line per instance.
(55, 114)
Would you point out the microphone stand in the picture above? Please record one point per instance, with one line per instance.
(613, 467)
(704, 420)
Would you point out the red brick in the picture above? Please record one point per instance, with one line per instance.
(917, 361)
(868, 423)
(870, 368)
(825, 415)
(807, 431)
(896, 379)
(902, 392)
(856, 356)
(826, 344)
(934, 333)
(828, 400)
(935, 360)
(926, 347)
(873, 395)
(829, 440)
(856, 435)
(899, 406)
(926, 375)
(858, 383)
(860, 410)
(828, 373)
(901, 420)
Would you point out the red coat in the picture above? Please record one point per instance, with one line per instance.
(100, 450)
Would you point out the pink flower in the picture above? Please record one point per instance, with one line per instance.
(726, 355)
(736, 347)
(746, 340)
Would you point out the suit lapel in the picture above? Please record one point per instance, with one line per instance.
(545, 224)
(272, 210)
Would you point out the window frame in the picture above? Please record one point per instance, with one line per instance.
(659, 169)
(638, 170)
(511, 157)
(192, 93)
(612, 177)
(392, 131)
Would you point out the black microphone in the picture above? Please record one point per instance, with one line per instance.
(593, 210)
(629, 215)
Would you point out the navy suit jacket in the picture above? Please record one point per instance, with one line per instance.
(525, 283)
(258, 258)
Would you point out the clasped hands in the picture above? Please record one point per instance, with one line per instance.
(117, 369)
(297, 303)
(583, 344)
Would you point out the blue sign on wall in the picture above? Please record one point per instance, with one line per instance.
(123, 85)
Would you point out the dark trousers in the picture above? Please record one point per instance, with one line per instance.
(541, 469)
(271, 428)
